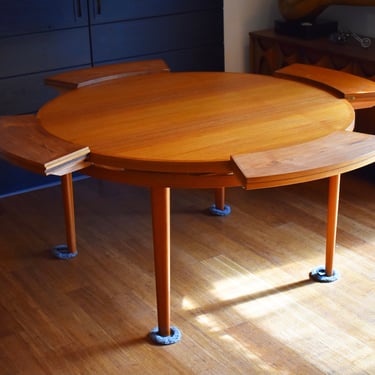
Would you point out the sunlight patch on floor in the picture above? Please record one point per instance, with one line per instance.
(238, 347)
(188, 304)
(280, 314)
(210, 322)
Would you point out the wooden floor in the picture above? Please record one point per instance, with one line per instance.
(241, 294)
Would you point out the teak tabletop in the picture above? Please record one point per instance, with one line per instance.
(191, 122)
(185, 129)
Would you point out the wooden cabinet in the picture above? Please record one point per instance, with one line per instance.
(41, 37)
(270, 51)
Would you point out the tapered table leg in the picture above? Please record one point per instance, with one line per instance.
(327, 273)
(70, 249)
(220, 198)
(164, 334)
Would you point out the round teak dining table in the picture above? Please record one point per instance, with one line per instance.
(180, 130)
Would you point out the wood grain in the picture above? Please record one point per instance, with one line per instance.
(90, 76)
(336, 153)
(359, 91)
(191, 122)
(25, 143)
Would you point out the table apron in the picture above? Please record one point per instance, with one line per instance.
(158, 179)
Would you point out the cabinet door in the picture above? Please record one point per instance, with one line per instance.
(33, 53)
(150, 36)
(29, 16)
(24, 94)
(37, 38)
(27, 59)
(205, 58)
(116, 10)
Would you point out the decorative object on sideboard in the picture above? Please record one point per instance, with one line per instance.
(308, 10)
(306, 29)
(301, 17)
(343, 36)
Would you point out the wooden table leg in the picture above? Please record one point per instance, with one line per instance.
(220, 208)
(327, 273)
(164, 334)
(220, 198)
(70, 249)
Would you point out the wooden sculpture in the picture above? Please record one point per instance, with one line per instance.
(293, 10)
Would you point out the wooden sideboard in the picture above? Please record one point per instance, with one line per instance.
(270, 51)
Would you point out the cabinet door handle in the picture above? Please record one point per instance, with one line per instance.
(98, 7)
(79, 8)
